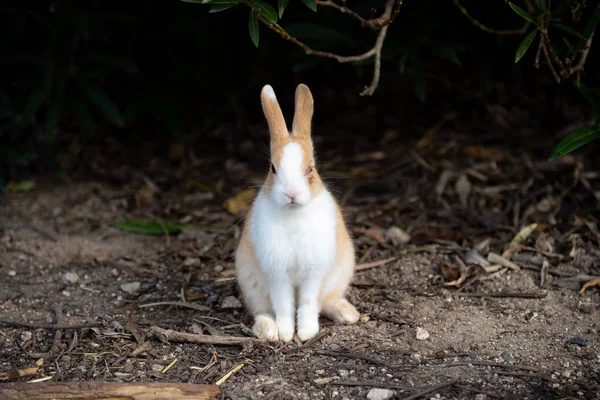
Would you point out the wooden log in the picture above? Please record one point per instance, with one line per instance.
(95, 390)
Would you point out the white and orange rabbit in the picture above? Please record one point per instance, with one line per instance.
(295, 254)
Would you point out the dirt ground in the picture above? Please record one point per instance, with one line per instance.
(435, 212)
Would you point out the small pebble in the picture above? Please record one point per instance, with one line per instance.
(380, 394)
(231, 302)
(577, 340)
(507, 356)
(66, 293)
(343, 373)
(320, 371)
(335, 347)
(422, 334)
(131, 287)
(12, 273)
(218, 268)
(71, 277)
(157, 367)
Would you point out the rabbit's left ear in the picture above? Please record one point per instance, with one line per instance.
(303, 112)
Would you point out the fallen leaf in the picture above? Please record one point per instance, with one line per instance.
(463, 188)
(375, 234)
(152, 227)
(445, 176)
(236, 204)
(589, 284)
(484, 153)
(449, 271)
(463, 273)
(144, 196)
(397, 236)
(145, 346)
(518, 239)
(24, 186)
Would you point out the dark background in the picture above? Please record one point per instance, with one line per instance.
(178, 74)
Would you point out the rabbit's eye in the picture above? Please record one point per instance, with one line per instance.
(273, 169)
(309, 170)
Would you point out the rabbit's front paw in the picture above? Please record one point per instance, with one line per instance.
(286, 327)
(308, 329)
(265, 328)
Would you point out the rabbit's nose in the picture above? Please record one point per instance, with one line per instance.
(292, 193)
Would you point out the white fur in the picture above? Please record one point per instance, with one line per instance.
(295, 247)
(290, 180)
(268, 90)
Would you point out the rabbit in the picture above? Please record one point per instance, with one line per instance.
(294, 250)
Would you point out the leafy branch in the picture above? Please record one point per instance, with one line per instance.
(264, 13)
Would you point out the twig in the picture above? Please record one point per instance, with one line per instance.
(382, 385)
(175, 336)
(432, 389)
(354, 356)
(471, 389)
(549, 62)
(193, 306)
(497, 259)
(481, 26)
(392, 8)
(374, 264)
(492, 364)
(506, 294)
(584, 55)
(18, 324)
(228, 374)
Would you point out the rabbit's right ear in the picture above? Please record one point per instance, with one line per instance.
(277, 127)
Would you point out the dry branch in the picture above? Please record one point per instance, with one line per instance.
(391, 10)
(483, 27)
(174, 336)
(107, 390)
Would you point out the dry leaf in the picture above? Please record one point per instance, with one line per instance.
(440, 187)
(463, 188)
(484, 153)
(397, 236)
(449, 271)
(375, 234)
(144, 196)
(240, 201)
(463, 273)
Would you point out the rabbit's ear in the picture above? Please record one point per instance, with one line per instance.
(277, 127)
(303, 113)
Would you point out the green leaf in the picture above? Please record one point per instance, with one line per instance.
(524, 46)
(312, 4)
(265, 10)
(83, 116)
(221, 7)
(24, 186)
(281, 5)
(35, 101)
(575, 140)
(522, 12)
(253, 27)
(591, 25)
(103, 103)
(569, 30)
(152, 227)
(562, 7)
(53, 117)
(568, 45)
